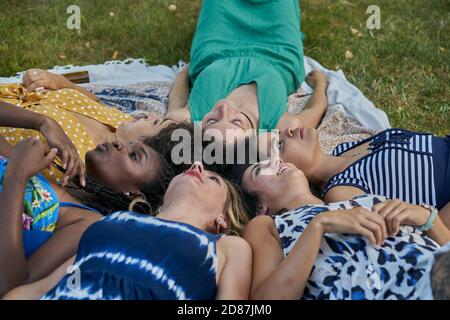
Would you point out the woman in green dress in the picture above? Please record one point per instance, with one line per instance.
(246, 59)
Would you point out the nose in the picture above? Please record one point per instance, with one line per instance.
(154, 118)
(290, 132)
(224, 107)
(119, 145)
(197, 166)
(277, 163)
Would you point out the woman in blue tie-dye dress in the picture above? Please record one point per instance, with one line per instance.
(366, 248)
(180, 254)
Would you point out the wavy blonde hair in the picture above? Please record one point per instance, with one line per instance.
(235, 210)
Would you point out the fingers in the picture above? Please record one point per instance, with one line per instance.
(75, 167)
(70, 171)
(51, 155)
(36, 84)
(82, 175)
(393, 220)
(359, 229)
(375, 218)
(389, 211)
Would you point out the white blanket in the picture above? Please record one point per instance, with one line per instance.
(340, 90)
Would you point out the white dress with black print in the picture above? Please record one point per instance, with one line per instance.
(350, 267)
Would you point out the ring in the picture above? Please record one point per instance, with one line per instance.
(34, 72)
(39, 89)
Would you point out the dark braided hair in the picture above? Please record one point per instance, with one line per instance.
(106, 200)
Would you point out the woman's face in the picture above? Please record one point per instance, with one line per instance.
(143, 127)
(228, 121)
(202, 188)
(123, 167)
(299, 146)
(275, 183)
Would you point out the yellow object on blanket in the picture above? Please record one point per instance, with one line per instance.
(61, 106)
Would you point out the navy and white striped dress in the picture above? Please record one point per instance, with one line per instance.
(413, 167)
(128, 256)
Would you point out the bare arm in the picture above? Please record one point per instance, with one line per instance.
(38, 78)
(36, 290)
(13, 116)
(5, 148)
(273, 276)
(397, 213)
(12, 256)
(27, 159)
(276, 277)
(235, 278)
(314, 110)
(444, 214)
(179, 94)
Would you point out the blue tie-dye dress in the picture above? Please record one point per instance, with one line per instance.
(130, 256)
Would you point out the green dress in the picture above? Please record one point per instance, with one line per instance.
(239, 42)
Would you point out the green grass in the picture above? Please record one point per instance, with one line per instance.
(404, 68)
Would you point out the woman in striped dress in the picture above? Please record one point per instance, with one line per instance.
(396, 163)
(356, 249)
(182, 253)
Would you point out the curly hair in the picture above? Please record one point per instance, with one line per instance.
(105, 200)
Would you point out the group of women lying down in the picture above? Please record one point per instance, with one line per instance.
(87, 186)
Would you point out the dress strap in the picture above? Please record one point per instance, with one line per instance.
(76, 205)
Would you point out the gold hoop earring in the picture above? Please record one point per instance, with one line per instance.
(140, 200)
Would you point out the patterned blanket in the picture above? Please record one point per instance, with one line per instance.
(145, 97)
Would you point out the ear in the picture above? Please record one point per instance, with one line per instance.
(262, 209)
(221, 222)
(137, 194)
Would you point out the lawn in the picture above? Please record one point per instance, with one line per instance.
(404, 68)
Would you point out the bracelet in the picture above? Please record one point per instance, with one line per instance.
(433, 214)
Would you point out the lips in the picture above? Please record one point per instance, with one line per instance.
(194, 174)
(104, 147)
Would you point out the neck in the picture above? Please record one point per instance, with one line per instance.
(182, 213)
(326, 166)
(302, 199)
(246, 99)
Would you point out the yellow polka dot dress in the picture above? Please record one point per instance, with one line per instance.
(60, 105)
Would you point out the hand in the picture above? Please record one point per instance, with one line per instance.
(30, 157)
(354, 221)
(38, 78)
(396, 212)
(316, 77)
(57, 138)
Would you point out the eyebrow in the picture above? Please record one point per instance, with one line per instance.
(249, 120)
(144, 152)
(253, 171)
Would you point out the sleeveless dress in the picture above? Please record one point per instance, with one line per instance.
(41, 210)
(129, 256)
(59, 105)
(410, 166)
(239, 42)
(348, 267)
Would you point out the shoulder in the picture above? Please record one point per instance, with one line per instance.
(233, 243)
(260, 228)
(342, 192)
(234, 248)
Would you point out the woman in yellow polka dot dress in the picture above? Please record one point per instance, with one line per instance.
(86, 122)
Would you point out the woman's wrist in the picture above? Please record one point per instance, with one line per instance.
(318, 223)
(13, 175)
